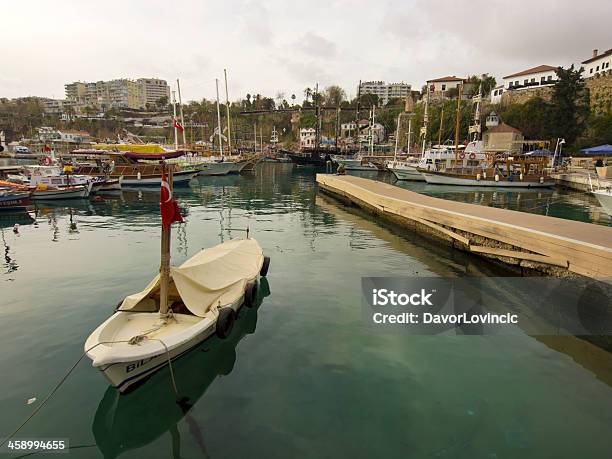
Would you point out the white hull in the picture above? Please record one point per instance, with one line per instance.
(107, 185)
(76, 193)
(407, 173)
(217, 168)
(437, 179)
(605, 199)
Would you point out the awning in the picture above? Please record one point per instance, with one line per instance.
(598, 151)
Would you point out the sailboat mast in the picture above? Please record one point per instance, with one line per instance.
(357, 117)
(457, 123)
(174, 120)
(425, 121)
(219, 118)
(397, 135)
(178, 86)
(227, 107)
(409, 132)
(164, 267)
(441, 122)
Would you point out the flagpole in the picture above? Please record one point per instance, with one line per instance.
(174, 120)
(227, 106)
(164, 269)
(219, 118)
(178, 85)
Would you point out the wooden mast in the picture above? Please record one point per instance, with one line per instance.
(457, 123)
(174, 120)
(164, 268)
(178, 86)
(219, 119)
(425, 122)
(227, 107)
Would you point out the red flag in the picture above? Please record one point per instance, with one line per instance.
(170, 212)
(176, 124)
(46, 149)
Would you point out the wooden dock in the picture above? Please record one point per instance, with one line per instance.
(527, 241)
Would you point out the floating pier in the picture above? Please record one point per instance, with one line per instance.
(527, 241)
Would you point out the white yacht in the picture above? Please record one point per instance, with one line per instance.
(437, 158)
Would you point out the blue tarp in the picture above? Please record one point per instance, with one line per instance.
(600, 150)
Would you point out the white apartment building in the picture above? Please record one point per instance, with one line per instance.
(120, 93)
(151, 90)
(542, 75)
(598, 64)
(385, 91)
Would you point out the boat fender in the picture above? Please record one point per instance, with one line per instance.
(521, 176)
(478, 177)
(138, 176)
(264, 267)
(484, 174)
(497, 177)
(250, 294)
(225, 322)
(541, 179)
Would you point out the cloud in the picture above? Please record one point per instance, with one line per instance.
(316, 45)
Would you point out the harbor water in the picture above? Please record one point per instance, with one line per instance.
(301, 376)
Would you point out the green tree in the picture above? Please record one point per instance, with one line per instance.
(334, 95)
(570, 104)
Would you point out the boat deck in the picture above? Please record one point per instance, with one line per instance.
(516, 237)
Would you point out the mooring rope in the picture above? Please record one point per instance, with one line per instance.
(65, 377)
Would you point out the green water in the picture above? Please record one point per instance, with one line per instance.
(301, 376)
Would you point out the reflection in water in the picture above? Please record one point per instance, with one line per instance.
(132, 420)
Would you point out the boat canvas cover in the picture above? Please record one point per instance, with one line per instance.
(135, 148)
(214, 275)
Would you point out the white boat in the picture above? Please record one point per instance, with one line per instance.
(217, 168)
(101, 185)
(438, 158)
(181, 306)
(204, 293)
(68, 192)
(357, 163)
(443, 178)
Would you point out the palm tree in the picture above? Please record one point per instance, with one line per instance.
(292, 99)
(307, 93)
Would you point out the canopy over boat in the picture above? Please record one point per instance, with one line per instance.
(134, 148)
(216, 275)
(599, 150)
(155, 156)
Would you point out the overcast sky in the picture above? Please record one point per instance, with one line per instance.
(285, 46)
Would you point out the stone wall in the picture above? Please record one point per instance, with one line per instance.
(600, 88)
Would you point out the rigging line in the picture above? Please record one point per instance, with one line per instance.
(65, 377)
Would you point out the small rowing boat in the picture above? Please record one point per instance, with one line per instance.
(14, 199)
(180, 308)
(68, 192)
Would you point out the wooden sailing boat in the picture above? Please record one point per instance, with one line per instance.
(470, 169)
(181, 306)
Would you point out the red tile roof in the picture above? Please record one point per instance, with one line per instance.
(538, 69)
(599, 56)
(446, 78)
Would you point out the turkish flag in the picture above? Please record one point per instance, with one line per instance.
(176, 124)
(46, 149)
(170, 212)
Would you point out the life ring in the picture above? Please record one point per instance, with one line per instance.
(462, 155)
(250, 294)
(44, 161)
(472, 155)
